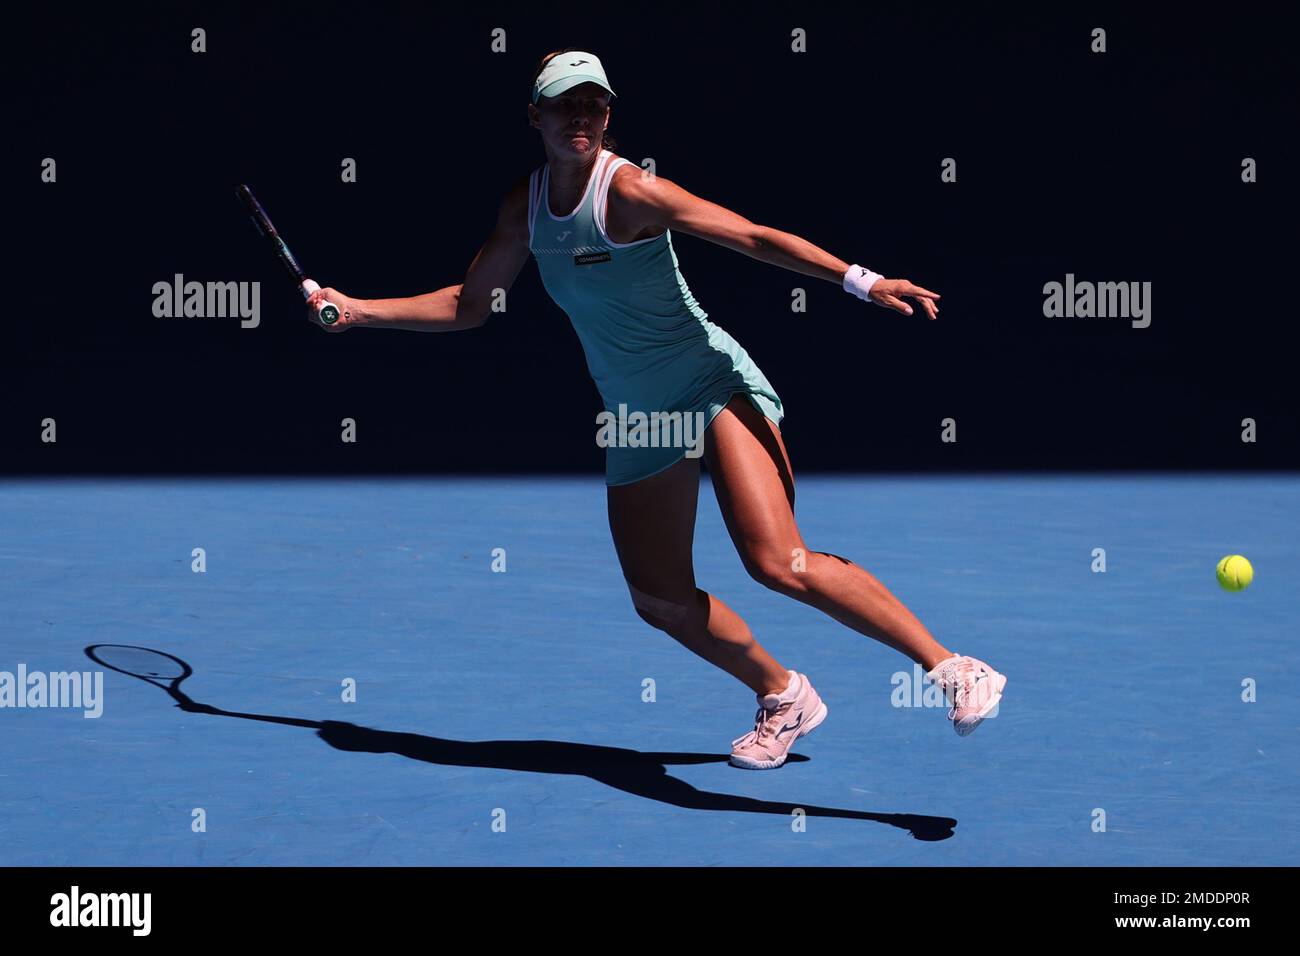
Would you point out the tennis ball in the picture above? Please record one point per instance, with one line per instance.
(1235, 573)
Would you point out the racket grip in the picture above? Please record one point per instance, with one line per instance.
(327, 312)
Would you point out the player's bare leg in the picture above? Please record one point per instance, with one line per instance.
(653, 524)
(754, 484)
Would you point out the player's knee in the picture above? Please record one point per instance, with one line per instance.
(659, 613)
(656, 620)
(780, 572)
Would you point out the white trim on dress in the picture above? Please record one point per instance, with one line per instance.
(602, 201)
(545, 197)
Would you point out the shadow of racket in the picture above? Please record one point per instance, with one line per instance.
(165, 671)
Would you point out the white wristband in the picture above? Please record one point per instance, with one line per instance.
(859, 280)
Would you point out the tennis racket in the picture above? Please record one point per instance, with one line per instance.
(326, 312)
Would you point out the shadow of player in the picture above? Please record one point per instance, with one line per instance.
(644, 774)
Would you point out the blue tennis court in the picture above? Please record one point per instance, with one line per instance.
(500, 717)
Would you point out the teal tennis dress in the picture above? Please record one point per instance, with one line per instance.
(650, 347)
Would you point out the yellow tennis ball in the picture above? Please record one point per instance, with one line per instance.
(1235, 573)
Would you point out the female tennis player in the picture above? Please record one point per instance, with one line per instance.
(601, 232)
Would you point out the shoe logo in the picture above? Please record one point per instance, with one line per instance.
(564, 235)
(794, 726)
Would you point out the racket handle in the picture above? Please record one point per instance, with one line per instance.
(327, 312)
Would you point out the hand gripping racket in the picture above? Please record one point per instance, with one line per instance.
(326, 312)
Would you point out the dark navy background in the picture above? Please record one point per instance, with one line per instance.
(1116, 167)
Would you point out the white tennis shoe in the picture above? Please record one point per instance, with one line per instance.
(972, 688)
(780, 721)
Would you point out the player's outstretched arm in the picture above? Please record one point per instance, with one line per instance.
(653, 200)
(455, 307)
